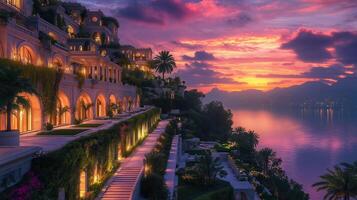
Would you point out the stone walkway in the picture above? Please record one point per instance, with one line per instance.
(123, 184)
(51, 143)
(170, 177)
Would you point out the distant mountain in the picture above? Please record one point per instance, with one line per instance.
(310, 94)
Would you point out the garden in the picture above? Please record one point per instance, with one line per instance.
(80, 168)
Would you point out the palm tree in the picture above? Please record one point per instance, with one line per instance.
(164, 63)
(265, 157)
(61, 111)
(86, 108)
(12, 84)
(208, 168)
(338, 183)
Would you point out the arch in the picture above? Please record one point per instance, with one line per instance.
(84, 108)
(70, 31)
(112, 105)
(57, 62)
(26, 119)
(97, 37)
(26, 54)
(63, 109)
(112, 99)
(100, 106)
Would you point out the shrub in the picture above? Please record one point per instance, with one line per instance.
(95, 154)
(155, 162)
(153, 187)
(224, 193)
(152, 184)
(49, 126)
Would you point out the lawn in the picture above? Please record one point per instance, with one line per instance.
(62, 132)
(88, 125)
(221, 190)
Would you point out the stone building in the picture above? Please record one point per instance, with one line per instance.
(73, 39)
(139, 57)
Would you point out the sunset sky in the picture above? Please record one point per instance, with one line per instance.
(244, 44)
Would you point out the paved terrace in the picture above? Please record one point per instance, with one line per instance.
(122, 185)
(51, 143)
(170, 177)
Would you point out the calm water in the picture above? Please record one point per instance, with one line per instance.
(307, 141)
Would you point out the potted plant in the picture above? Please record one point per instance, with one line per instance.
(12, 84)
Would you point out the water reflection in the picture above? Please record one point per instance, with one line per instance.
(308, 141)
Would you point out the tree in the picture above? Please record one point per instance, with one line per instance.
(217, 121)
(164, 63)
(208, 168)
(266, 157)
(86, 108)
(192, 100)
(246, 141)
(338, 183)
(61, 111)
(12, 84)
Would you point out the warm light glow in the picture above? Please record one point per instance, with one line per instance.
(25, 55)
(83, 184)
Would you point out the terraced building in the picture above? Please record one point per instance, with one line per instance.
(80, 45)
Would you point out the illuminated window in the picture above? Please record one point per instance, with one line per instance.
(80, 48)
(70, 31)
(53, 36)
(57, 63)
(103, 53)
(96, 38)
(94, 19)
(25, 55)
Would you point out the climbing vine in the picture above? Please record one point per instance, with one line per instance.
(45, 80)
(95, 154)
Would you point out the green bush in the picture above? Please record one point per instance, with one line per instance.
(95, 154)
(153, 187)
(152, 184)
(220, 190)
(224, 193)
(49, 126)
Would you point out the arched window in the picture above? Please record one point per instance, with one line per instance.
(57, 63)
(70, 31)
(25, 55)
(96, 38)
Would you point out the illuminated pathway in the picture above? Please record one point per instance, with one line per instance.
(122, 185)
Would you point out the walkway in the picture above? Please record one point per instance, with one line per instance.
(51, 143)
(170, 175)
(238, 186)
(122, 185)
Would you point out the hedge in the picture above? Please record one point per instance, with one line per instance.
(223, 193)
(221, 190)
(153, 185)
(95, 154)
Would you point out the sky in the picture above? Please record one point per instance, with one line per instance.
(238, 45)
